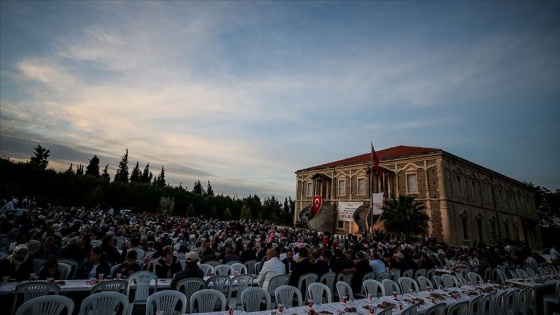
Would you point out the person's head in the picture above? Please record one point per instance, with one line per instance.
(20, 253)
(51, 265)
(289, 254)
(315, 255)
(131, 257)
(191, 257)
(360, 255)
(337, 252)
(399, 256)
(271, 253)
(303, 252)
(96, 255)
(167, 250)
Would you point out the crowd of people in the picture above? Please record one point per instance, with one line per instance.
(101, 239)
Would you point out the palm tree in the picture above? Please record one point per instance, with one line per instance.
(405, 215)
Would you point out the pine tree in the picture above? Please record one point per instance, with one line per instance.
(147, 175)
(93, 167)
(209, 190)
(136, 175)
(197, 188)
(40, 157)
(245, 213)
(227, 214)
(80, 170)
(122, 171)
(70, 170)
(160, 182)
(105, 173)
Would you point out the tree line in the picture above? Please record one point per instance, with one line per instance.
(138, 190)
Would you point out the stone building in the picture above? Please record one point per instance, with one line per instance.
(465, 201)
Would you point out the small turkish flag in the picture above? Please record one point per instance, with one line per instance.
(317, 203)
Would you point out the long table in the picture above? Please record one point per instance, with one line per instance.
(422, 298)
(77, 286)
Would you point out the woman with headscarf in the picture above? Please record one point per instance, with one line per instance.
(18, 265)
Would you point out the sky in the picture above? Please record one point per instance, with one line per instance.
(245, 93)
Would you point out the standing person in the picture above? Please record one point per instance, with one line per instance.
(289, 261)
(168, 264)
(18, 265)
(271, 268)
(191, 270)
(95, 266)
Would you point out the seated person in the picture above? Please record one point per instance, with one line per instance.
(50, 270)
(18, 265)
(168, 264)
(128, 267)
(95, 266)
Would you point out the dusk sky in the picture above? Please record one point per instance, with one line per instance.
(244, 93)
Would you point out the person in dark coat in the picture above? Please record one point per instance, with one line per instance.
(319, 265)
(72, 250)
(128, 267)
(359, 270)
(302, 267)
(50, 270)
(18, 265)
(289, 261)
(95, 266)
(191, 270)
(168, 264)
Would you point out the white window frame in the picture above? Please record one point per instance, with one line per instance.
(341, 184)
(362, 179)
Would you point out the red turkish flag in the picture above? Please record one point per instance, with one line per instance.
(317, 203)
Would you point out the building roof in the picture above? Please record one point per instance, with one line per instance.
(385, 154)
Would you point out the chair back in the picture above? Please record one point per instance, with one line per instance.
(373, 287)
(424, 283)
(344, 289)
(437, 309)
(387, 311)
(395, 274)
(437, 281)
(73, 264)
(204, 301)
(207, 269)
(65, 270)
(384, 275)
(31, 290)
(223, 270)
(501, 276)
(318, 292)
(407, 283)
(119, 286)
(189, 286)
(141, 281)
(166, 301)
(476, 305)
(530, 272)
(328, 279)
(239, 284)
(304, 281)
(104, 303)
(233, 262)
(251, 299)
(213, 263)
(369, 275)
(411, 310)
(474, 278)
(460, 308)
(285, 294)
(449, 281)
(420, 272)
(250, 264)
(240, 268)
(390, 287)
(38, 263)
(220, 283)
(47, 305)
(430, 273)
(407, 273)
(346, 277)
(276, 282)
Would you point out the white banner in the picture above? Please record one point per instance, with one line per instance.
(346, 210)
(377, 203)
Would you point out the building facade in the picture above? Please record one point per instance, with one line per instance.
(465, 201)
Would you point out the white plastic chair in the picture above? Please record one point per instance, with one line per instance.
(369, 275)
(346, 277)
(420, 272)
(166, 301)
(387, 311)
(223, 270)
(304, 281)
(237, 285)
(437, 309)
(407, 273)
(373, 287)
(207, 269)
(390, 287)
(474, 278)
(476, 305)
(250, 264)
(437, 281)
(240, 268)
(384, 275)
(344, 289)
(65, 270)
(104, 303)
(527, 301)
(189, 286)
(275, 282)
(38, 263)
(47, 305)
(285, 295)
(407, 283)
(430, 273)
(449, 281)
(328, 279)
(204, 301)
(395, 274)
(119, 286)
(411, 310)
(251, 299)
(141, 281)
(73, 264)
(424, 283)
(551, 299)
(522, 273)
(31, 290)
(460, 308)
(318, 292)
(501, 276)
(220, 283)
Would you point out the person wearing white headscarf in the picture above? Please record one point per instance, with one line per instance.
(18, 265)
